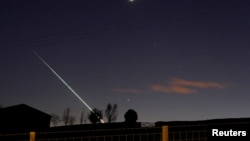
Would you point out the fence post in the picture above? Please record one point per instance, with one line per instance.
(164, 133)
(32, 136)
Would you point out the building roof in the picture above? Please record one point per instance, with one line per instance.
(22, 108)
(23, 116)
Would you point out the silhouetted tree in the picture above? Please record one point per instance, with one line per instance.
(95, 116)
(55, 119)
(66, 116)
(82, 117)
(72, 120)
(131, 116)
(111, 112)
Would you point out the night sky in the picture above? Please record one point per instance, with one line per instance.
(166, 59)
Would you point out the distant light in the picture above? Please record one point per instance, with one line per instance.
(131, 0)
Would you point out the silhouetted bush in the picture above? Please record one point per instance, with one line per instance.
(95, 116)
(131, 116)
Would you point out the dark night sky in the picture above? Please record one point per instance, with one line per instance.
(168, 60)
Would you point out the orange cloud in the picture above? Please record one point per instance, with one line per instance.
(160, 88)
(128, 90)
(197, 84)
(182, 90)
(183, 86)
(173, 89)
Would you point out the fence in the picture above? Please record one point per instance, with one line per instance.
(172, 132)
(164, 133)
(124, 134)
(203, 131)
(187, 133)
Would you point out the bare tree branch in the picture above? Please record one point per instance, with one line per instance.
(82, 117)
(66, 116)
(72, 120)
(111, 112)
(55, 119)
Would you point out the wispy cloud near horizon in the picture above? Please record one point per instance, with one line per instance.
(175, 85)
(183, 86)
(172, 89)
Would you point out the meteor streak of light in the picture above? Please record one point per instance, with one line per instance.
(66, 84)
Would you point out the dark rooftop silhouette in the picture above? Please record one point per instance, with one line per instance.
(24, 117)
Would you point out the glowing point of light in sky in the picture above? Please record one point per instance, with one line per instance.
(66, 84)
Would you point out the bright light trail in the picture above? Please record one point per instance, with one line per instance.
(66, 84)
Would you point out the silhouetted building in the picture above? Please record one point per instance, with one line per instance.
(23, 117)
